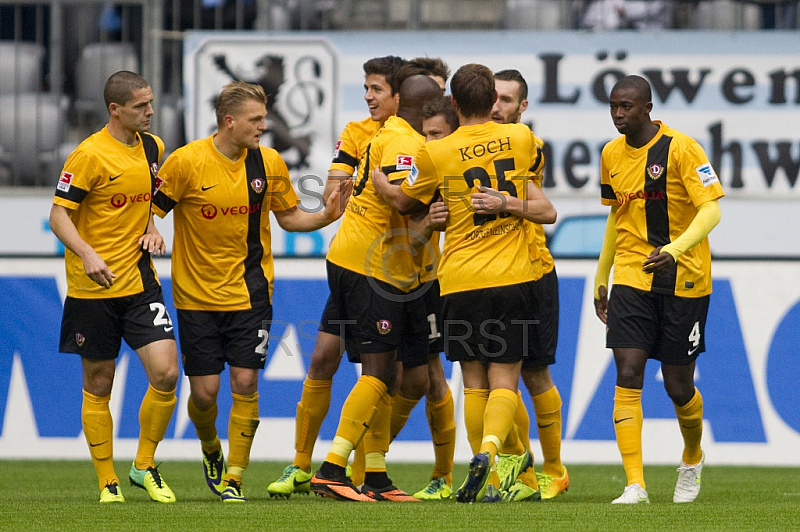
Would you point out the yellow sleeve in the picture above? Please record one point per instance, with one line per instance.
(606, 259)
(708, 216)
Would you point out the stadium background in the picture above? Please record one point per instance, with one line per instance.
(737, 92)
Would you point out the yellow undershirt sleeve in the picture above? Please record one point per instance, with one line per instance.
(708, 216)
(606, 259)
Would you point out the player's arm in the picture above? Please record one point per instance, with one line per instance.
(297, 220)
(707, 217)
(152, 240)
(604, 264)
(334, 178)
(392, 194)
(536, 207)
(94, 266)
(426, 221)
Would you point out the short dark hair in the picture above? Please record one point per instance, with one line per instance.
(638, 84)
(121, 85)
(512, 74)
(387, 67)
(472, 88)
(441, 107)
(427, 66)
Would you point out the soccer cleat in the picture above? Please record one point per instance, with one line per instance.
(389, 493)
(509, 466)
(436, 490)
(633, 494)
(688, 487)
(232, 492)
(552, 486)
(520, 491)
(150, 480)
(339, 488)
(475, 484)
(293, 480)
(111, 493)
(214, 469)
(490, 494)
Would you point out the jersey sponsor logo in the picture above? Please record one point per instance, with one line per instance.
(625, 197)
(336, 148)
(257, 184)
(64, 182)
(210, 211)
(654, 170)
(412, 175)
(384, 327)
(404, 162)
(706, 174)
(80, 339)
(120, 200)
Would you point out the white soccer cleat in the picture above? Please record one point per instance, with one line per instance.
(633, 494)
(688, 487)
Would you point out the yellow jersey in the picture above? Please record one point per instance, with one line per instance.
(658, 188)
(352, 144)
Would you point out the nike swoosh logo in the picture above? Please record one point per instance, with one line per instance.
(300, 483)
(691, 351)
(96, 444)
(440, 444)
(545, 426)
(113, 178)
(248, 435)
(692, 427)
(621, 420)
(167, 329)
(365, 424)
(614, 175)
(208, 188)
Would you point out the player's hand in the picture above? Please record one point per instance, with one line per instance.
(437, 215)
(488, 201)
(380, 180)
(97, 270)
(338, 200)
(153, 242)
(657, 260)
(601, 304)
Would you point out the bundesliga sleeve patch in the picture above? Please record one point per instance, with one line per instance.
(64, 182)
(412, 175)
(404, 162)
(336, 148)
(706, 174)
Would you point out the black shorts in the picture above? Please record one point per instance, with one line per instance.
(94, 328)
(489, 324)
(542, 347)
(435, 319)
(209, 339)
(370, 320)
(413, 348)
(669, 328)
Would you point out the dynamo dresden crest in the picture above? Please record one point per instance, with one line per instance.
(654, 171)
(258, 184)
(384, 327)
(80, 339)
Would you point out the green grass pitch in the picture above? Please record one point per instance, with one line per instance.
(62, 495)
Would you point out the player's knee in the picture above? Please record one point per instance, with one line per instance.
(679, 392)
(414, 387)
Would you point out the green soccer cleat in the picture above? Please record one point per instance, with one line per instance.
(150, 480)
(293, 480)
(509, 466)
(436, 490)
(232, 492)
(214, 469)
(490, 494)
(111, 493)
(520, 491)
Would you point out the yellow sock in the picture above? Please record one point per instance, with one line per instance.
(242, 426)
(98, 427)
(376, 440)
(401, 410)
(205, 425)
(547, 406)
(358, 412)
(475, 400)
(359, 465)
(528, 477)
(154, 416)
(628, 427)
(498, 419)
(441, 420)
(518, 439)
(690, 419)
(311, 411)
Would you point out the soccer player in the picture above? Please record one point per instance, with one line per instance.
(222, 189)
(381, 95)
(101, 212)
(486, 271)
(663, 195)
(512, 94)
(370, 276)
